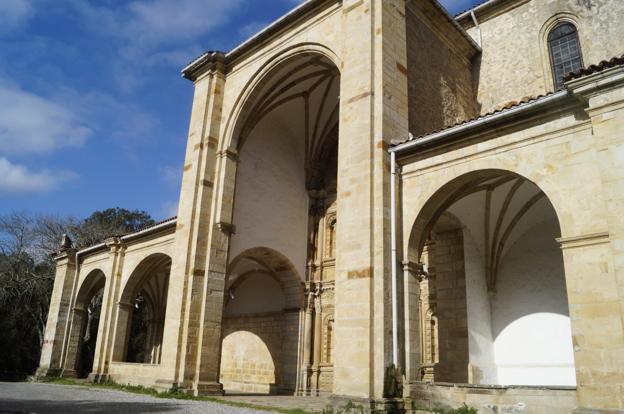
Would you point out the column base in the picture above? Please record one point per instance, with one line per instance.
(209, 388)
(69, 373)
(581, 410)
(48, 372)
(98, 378)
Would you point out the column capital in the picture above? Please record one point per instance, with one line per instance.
(68, 254)
(226, 228)
(418, 270)
(229, 153)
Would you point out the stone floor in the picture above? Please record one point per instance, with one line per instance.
(313, 404)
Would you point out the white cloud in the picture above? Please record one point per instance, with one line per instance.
(14, 13)
(19, 179)
(252, 28)
(152, 23)
(168, 209)
(32, 124)
(165, 21)
(172, 175)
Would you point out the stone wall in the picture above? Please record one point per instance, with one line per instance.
(440, 85)
(447, 266)
(515, 60)
(259, 353)
(493, 400)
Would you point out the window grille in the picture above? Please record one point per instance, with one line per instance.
(565, 52)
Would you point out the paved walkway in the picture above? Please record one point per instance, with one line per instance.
(26, 398)
(313, 404)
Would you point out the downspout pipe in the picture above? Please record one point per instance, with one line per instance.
(478, 28)
(393, 244)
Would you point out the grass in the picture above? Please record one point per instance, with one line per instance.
(171, 394)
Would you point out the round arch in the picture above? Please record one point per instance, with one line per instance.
(264, 300)
(254, 87)
(273, 263)
(141, 311)
(92, 283)
(85, 324)
(443, 197)
(486, 240)
(547, 27)
(142, 272)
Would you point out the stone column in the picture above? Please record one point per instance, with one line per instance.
(108, 314)
(594, 262)
(412, 276)
(318, 338)
(58, 313)
(307, 345)
(74, 343)
(123, 326)
(195, 295)
(208, 367)
(373, 112)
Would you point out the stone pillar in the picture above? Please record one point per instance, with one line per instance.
(307, 345)
(594, 262)
(58, 314)
(412, 276)
(373, 112)
(108, 314)
(123, 326)
(212, 312)
(195, 297)
(74, 343)
(318, 339)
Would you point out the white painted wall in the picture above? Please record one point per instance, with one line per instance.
(521, 335)
(480, 341)
(530, 317)
(271, 204)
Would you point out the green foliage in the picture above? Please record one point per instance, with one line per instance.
(27, 274)
(107, 223)
(464, 409)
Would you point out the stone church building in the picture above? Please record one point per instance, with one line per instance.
(376, 183)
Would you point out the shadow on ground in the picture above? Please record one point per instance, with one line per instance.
(18, 406)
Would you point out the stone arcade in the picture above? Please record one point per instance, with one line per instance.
(278, 275)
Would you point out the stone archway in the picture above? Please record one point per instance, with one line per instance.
(85, 325)
(484, 247)
(285, 198)
(141, 312)
(261, 321)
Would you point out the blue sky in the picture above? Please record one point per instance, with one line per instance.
(93, 111)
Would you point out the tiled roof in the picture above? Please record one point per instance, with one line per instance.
(605, 64)
(101, 243)
(170, 219)
(500, 108)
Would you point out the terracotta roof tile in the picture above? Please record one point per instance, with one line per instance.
(500, 108)
(150, 226)
(605, 64)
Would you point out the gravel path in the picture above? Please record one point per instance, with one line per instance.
(31, 398)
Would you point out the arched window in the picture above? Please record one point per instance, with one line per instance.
(565, 51)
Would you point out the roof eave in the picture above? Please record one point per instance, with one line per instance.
(479, 123)
(202, 63)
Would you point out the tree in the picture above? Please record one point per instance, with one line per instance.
(110, 222)
(27, 268)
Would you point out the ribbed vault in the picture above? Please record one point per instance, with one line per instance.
(304, 96)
